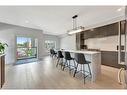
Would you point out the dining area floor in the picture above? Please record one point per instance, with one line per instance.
(45, 75)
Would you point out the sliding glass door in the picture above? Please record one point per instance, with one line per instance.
(126, 48)
(26, 48)
(123, 50)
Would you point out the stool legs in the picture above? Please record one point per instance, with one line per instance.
(75, 70)
(64, 65)
(84, 73)
(89, 69)
(68, 64)
(69, 67)
(74, 64)
(82, 70)
(57, 62)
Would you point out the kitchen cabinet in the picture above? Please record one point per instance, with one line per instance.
(109, 58)
(98, 32)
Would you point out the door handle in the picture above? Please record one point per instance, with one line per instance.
(119, 46)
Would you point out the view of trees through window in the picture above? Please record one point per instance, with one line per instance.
(26, 48)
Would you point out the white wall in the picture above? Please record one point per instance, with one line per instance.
(68, 42)
(106, 43)
(8, 35)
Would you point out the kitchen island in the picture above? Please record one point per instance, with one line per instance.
(94, 57)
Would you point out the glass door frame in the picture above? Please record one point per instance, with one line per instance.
(25, 37)
(126, 47)
(120, 50)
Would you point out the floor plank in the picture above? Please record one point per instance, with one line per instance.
(44, 75)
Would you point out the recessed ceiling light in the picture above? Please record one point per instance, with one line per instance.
(119, 9)
(39, 24)
(26, 21)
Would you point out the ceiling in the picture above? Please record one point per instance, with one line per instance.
(56, 20)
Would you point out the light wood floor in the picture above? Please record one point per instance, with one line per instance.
(44, 75)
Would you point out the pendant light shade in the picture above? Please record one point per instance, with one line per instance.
(75, 28)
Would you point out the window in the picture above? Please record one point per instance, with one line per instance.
(26, 48)
(50, 44)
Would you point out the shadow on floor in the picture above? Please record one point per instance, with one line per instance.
(25, 61)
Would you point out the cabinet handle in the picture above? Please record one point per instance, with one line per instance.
(119, 75)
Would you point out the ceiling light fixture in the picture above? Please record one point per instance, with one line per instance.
(75, 28)
(26, 21)
(119, 9)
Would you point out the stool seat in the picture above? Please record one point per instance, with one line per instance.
(59, 57)
(67, 64)
(52, 53)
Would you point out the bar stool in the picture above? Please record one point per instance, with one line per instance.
(80, 59)
(68, 58)
(59, 57)
(52, 53)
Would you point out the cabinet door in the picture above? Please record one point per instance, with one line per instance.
(78, 41)
(86, 34)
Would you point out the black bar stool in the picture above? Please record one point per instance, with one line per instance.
(59, 58)
(68, 58)
(80, 59)
(52, 53)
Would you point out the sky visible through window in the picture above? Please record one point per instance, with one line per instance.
(21, 40)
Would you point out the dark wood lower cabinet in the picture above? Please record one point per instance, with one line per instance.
(110, 58)
(2, 70)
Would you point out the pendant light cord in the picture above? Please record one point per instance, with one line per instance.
(74, 21)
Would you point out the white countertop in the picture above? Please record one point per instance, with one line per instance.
(83, 51)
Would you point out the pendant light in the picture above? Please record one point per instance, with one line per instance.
(75, 28)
